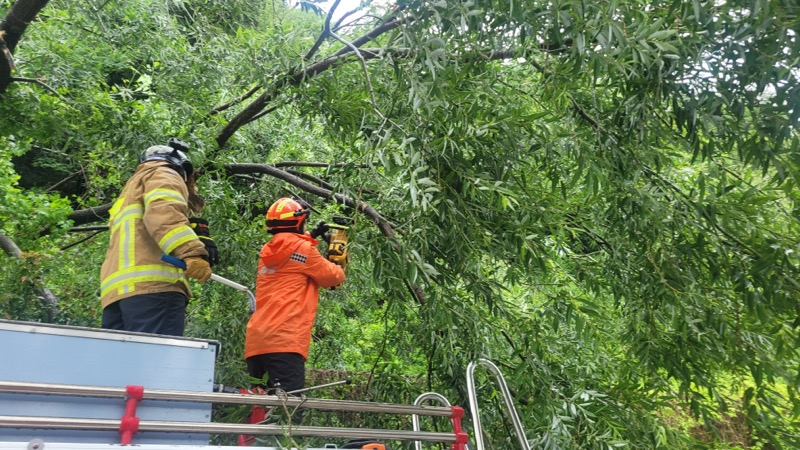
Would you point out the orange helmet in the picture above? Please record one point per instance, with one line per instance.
(286, 215)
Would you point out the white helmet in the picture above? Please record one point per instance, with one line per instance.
(173, 154)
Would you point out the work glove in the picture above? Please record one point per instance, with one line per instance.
(319, 230)
(200, 227)
(197, 268)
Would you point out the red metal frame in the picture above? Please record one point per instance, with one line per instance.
(461, 437)
(129, 424)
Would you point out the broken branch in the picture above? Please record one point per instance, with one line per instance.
(45, 296)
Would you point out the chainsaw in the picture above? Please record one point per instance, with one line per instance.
(337, 244)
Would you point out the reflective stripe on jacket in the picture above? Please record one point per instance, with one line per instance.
(290, 272)
(149, 219)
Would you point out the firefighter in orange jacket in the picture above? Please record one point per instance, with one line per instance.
(290, 272)
(139, 291)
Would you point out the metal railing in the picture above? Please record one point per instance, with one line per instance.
(15, 387)
(415, 418)
(456, 437)
(508, 399)
(9, 387)
(59, 423)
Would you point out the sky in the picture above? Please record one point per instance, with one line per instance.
(347, 6)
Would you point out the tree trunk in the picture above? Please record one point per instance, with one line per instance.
(14, 24)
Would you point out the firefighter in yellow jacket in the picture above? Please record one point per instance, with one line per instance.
(150, 219)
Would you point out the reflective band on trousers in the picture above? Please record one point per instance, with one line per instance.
(137, 274)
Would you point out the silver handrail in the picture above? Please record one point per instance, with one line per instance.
(59, 423)
(507, 399)
(456, 437)
(232, 284)
(18, 387)
(415, 418)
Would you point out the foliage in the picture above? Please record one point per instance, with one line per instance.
(600, 197)
(24, 213)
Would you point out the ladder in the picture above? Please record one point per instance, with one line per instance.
(130, 424)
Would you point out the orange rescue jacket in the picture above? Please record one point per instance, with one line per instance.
(290, 272)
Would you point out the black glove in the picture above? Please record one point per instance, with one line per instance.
(319, 230)
(200, 227)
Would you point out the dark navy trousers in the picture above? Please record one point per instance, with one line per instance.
(284, 370)
(159, 313)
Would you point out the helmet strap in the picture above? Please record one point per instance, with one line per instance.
(285, 230)
(175, 154)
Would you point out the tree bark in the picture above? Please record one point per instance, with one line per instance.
(11, 29)
(90, 215)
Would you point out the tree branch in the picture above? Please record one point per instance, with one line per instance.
(45, 296)
(89, 228)
(265, 112)
(294, 78)
(89, 215)
(703, 213)
(389, 25)
(17, 18)
(100, 213)
(382, 224)
(65, 180)
(36, 81)
(326, 31)
(311, 178)
(338, 23)
(318, 164)
(256, 110)
(6, 64)
(236, 101)
(366, 72)
(9, 246)
(82, 240)
(297, 76)
(12, 27)
(577, 106)
(355, 21)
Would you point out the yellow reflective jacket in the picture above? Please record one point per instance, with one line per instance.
(148, 220)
